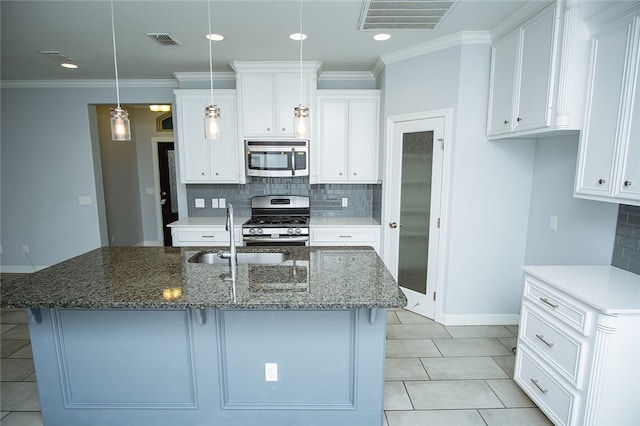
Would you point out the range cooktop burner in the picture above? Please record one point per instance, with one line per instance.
(277, 220)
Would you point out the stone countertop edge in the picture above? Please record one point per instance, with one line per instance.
(313, 278)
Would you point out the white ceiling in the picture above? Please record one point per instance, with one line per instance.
(254, 30)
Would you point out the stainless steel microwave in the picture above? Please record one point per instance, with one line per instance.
(277, 158)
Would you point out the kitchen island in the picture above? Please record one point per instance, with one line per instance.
(140, 335)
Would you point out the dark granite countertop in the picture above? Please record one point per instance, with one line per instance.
(162, 278)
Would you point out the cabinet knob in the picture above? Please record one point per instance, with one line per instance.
(202, 173)
(627, 183)
(268, 129)
(217, 174)
(506, 121)
(393, 225)
(284, 129)
(355, 174)
(340, 173)
(601, 181)
(519, 119)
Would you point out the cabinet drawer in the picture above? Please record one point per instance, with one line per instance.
(203, 236)
(569, 312)
(555, 346)
(347, 236)
(557, 402)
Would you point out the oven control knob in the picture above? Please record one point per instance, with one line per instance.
(290, 231)
(298, 231)
(259, 231)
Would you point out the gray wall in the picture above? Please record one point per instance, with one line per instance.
(585, 230)
(47, 163)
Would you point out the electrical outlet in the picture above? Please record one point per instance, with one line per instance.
(345, 202)
(271, 372)
(199, 203)
(214, 203)
(84, 200)
(222, 203)
(25, 248)
(553, 223)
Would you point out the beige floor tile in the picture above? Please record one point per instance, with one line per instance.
(513, 329)
(15, 370)
(14, 317)
(507, 363)
(463, 368)
(462, 331)
(411, 348)
(395, 397)
(405, 369)
(392, 318)
(20, 331)
(23, 419)
(416, 331)
(9, 347)
(515, 416)
(510, 393)
(509, 342)
(6, 327)
(480, 346)
(435, 418)
(24, 352)
(407, 317)
(19, 396)
(452, 395)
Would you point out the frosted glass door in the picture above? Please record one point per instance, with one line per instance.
(415, 201)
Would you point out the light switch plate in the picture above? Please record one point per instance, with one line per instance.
(345, 202)
(214, 203)
(199, 203)
(222, 203)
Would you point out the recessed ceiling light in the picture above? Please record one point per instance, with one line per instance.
(69, 65)
(160, 108)
(215, 37)
(381, 37)
(298, 36)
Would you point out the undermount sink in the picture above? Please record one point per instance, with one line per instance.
(211, 257)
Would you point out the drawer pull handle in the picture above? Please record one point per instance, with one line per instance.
(208, 236)
(541, 337)
(545, 300)
(535, 382)
(345, 236)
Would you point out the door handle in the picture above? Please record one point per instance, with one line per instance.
(393, 225)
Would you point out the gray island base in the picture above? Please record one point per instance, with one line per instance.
(134, 336)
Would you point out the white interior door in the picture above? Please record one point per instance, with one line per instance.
(413, 205)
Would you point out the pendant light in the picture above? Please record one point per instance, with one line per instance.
(212, 130)
(301, 113)
(120, 125)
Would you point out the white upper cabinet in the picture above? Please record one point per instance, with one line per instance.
(201, 160)
(538, 71)
(348, 136)
(609, 156)
(268, 93)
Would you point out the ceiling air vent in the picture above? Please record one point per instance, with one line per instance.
(164, 39)
(403, 15)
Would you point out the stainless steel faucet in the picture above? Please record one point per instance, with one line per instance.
(231, 254)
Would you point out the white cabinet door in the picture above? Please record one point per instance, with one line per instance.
(536, 72)
(348, 136)
(503, 72)
(258, 113)
(363, 140)
(290, 93)
(201, 160)
(609, 156)
(332, 147)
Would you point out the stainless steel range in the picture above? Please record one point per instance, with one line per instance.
(277, 220)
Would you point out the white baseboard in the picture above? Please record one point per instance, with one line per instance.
(20, 269)
(150, 244)
(479, 319)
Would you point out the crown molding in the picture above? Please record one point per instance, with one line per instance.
(457, 39)
(87, 84)
(346, 76)
(198, 77)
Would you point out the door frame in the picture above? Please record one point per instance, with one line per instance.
(156, 181)
(443, 237)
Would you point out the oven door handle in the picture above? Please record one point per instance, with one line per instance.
(282, 239)
(293, 161)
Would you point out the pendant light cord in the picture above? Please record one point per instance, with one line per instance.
(210, 57)
(301, 37)
(115, 60)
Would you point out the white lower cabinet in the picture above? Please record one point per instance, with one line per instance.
(578, 344)
(216, 236)
(346, 236)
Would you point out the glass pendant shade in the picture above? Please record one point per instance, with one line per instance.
(212, 129)
(120, 125)
(301, 121)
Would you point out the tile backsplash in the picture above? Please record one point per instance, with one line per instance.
(626, 249)
(325, 199)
